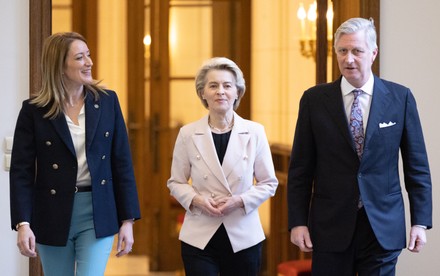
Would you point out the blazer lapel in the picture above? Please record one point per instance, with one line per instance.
(93, 115)
(204, 143)
(60, 125)
(237, 142)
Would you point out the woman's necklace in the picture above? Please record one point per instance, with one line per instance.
(70, 103)
(223, 130)
(78, 103)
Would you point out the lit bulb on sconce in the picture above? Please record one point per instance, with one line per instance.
(147, 44)
(147, 40)
(301, 14)
(311, 13)
(308, 27)
(329, 16)
(311, 16)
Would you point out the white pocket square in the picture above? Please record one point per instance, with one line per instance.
(382, 125)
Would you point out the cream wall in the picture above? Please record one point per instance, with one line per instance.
(409, 54)
(14, 79)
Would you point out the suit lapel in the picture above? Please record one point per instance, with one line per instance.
(379, 104)
(335, 107)
(93, 114)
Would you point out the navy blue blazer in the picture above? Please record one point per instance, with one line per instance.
(326, 177)
(44, 169)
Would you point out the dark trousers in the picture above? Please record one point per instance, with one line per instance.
(364, 257)
(218, 258)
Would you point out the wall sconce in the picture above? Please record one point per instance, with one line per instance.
(307, 19)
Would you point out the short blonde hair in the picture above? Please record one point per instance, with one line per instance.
(220, 63)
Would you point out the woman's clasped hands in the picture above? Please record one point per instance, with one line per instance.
(217, 207)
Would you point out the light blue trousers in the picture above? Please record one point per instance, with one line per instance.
(84, 254)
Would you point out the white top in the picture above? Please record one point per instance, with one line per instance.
(78, 133)
(364, 98)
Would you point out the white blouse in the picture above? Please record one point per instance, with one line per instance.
(78, 133)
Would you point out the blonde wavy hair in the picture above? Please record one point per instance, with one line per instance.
(53, 91)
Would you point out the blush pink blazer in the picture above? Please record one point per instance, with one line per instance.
(247, 170)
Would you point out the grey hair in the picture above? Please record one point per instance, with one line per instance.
(220, 63)
(357, 24)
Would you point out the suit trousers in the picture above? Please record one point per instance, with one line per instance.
(364, 256)
(84, 254)
(218, 258)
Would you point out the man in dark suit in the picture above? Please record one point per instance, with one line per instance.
(344, 193)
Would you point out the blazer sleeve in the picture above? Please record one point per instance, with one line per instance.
(266, 182)
(22, 171)
(122, 170)
(180, 175)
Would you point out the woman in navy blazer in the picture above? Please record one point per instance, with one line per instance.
(222, 171)
(72, 184)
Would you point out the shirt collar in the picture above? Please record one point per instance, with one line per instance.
(347, 88)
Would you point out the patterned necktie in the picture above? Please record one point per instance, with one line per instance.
(356, 123)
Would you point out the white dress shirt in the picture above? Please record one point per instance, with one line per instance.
(364, 98)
